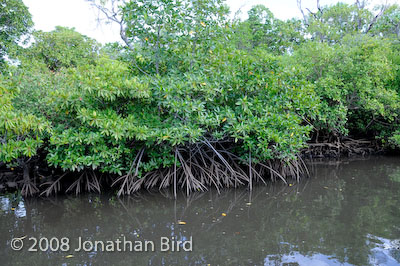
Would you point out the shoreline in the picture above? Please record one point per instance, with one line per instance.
(11, 179)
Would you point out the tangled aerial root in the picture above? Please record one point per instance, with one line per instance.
(208, 164)
(343, 146)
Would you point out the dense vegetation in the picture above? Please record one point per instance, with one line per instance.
(193, 99)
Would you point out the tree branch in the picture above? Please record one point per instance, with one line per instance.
(302, 12)
(112, 15)
(383, 9)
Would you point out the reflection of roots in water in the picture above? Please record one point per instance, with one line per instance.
(183, 204)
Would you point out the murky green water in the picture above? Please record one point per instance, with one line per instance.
(348, 213)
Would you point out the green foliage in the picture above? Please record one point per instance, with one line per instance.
(165, 33)
(349, 78)
(63, 47)
(15, 23)
(330, 24)
(20, 134)
(388, 24)
(262, 29)
(395, 139)
(110, 114)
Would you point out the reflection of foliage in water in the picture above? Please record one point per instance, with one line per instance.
(395, 176)
(331, 214)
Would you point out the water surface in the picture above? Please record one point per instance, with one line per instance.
(347, 213)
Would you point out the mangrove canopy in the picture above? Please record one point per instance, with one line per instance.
(191, 98)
